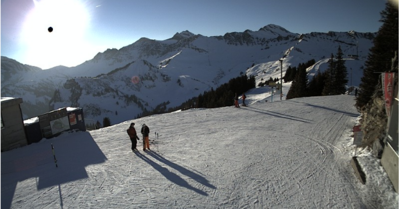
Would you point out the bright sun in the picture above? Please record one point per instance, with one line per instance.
(69, 20)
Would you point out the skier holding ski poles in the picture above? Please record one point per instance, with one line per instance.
(145, 131)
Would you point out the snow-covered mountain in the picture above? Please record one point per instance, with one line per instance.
(34, 85)
(152, 74)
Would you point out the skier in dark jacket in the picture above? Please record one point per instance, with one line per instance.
(236, 100)
(133, 136)
(145, 131)
(243, 98)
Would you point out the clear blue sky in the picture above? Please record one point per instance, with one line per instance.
(82, 28)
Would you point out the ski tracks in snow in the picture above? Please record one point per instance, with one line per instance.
(268, 155)
(332, 160)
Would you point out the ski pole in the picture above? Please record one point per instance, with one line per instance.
(54, 155)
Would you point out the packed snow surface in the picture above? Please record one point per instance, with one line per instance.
(284, 154)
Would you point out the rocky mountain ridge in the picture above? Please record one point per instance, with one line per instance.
(173, 70)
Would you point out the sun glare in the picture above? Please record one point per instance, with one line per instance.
(68, 19)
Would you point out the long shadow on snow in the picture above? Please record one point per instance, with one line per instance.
(36, 161)
(183, 170)
(169, 175)
(275, 114)
(327, 108)
(339, 111)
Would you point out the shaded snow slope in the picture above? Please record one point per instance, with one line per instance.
(289, 154)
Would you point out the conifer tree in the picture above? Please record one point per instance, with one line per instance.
(251, 83)
(287, 74)
(329, 76)
(200, 101)
(321, 77)
(340, 75)
(316, 85)
(312, 86)
(292, 74)
(380, 55)
(291, 93)
(106, 122)
(224, 95)
(299, 84)
(302, 81)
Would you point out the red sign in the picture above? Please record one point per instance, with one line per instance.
(357, 128)
(72, 119)
(358, 135)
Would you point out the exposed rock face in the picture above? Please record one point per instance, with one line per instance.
(373, 124)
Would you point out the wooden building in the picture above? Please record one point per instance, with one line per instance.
(63, 119)
(54, 122)
(12, 125)
(15, 132)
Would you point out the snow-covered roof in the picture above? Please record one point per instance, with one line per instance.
(31, 121)
(6, 98)
(70, 109)
(10, 101)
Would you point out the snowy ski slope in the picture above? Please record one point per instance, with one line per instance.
(286, 154)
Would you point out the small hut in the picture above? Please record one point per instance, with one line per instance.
(12, 125)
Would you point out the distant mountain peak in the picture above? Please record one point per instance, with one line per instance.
(183, 35)
(106, 54)
(275, 28)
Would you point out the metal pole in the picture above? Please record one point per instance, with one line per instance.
(281, 77)
(272, 95)
(54, 155)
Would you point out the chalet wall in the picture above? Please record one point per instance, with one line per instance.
(12, 132)
(390, 162)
